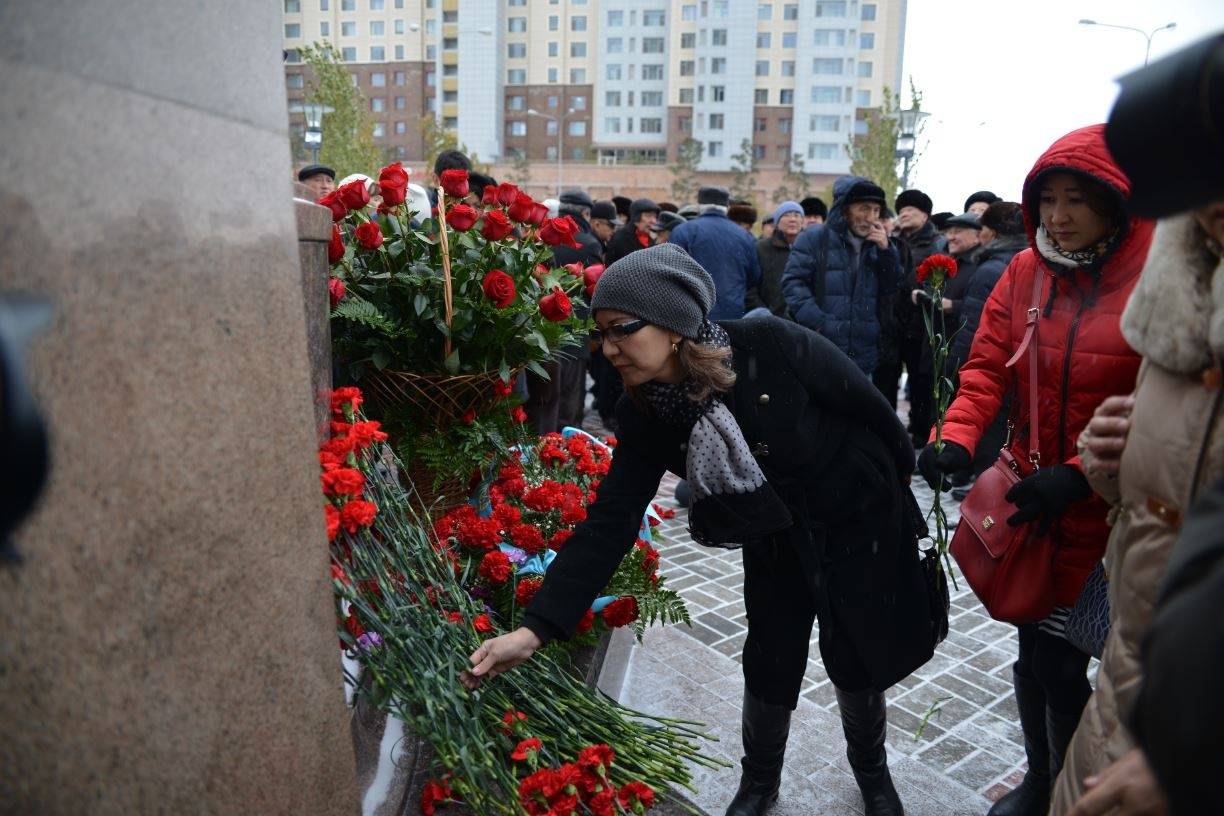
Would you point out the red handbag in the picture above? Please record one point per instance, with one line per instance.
(1010, 569)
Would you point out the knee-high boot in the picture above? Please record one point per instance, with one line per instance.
(863, 720)
(765, 729)
(1060, 728)
(1032, 796)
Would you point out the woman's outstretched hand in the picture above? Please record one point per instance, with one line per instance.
(500, 654)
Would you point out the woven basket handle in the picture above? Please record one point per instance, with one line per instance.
(447, 296)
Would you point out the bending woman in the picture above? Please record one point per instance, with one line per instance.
(792, 454)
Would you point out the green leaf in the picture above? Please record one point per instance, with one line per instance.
(381, 359)
(452, 362)
(538, 369)
(420, 302)
(503, 371)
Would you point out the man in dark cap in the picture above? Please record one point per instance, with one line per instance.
(604, 221)
(838, 271)
(744, 215)
(768, 225)
(320, 178)
(662, 228)
(689, 211)
(814, 211)
(635, 234)
(940, 219)
(725, 249)
(623, 204)
(979, 201)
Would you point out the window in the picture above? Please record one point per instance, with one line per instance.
(700, 93)
(652, 124)
(401, 127)
(788, 68)
(818, 150)
(866, 41)
(720, 9)
(450, 43)
(293, 80)
(378, 28)
(686, 67)
(864, 68)
(577, 128)
(554, 23)
(616, 18)
(378, 80)
(612, 124)
(516, 103)
(784, 125)
(789, 39)
(653, 18)
(860, 127)
(516, 128)
(378, 104)
(688, 40)
(577, 76)
(652, 45)
(686, 96)
(824, 124)
(554, 49)
(718, 93)
(652, 99)
(380, 130)
(401, 103)
(450, 16)
(869, 11)
(399, 53)
(826, 66)
(517, 3)
(823, 94)
(431, 52)
(717, 121)
(450, 122)
(759, 124)
(652, 72)
(578, 102)
(378, 5)
(688, 13)
(550, 128)
(830, 8)
(431, 27)
(786, 96)
(293, 31)
(516, 50)
(718, 65)
(348, 54)
(616, 45)
(516, 25)
(324, 29)
(551, 153)
(790, 11)
(762, 67)
(348, 5)
(612, 71)
(516, 76)
(348, 29)
(578, 23)
(293, 7)
(399, 4)
(323, 5)
(578, 49)
(763, 40)
(553, 101)
(718, 36)
(612, 99)
(829, 36)
(765, 11)
(552, 75)
(715, 149)
(378, 53)
(760, 96)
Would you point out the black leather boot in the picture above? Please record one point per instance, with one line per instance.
(765, 729)
(1060, 728)
(1032, 796)
(863, 720)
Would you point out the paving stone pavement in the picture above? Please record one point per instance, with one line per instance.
(968, 755)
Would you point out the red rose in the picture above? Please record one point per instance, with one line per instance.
(531, 745)
(505, 194)
(335, 291)
(495, 567)
(574, 268)
(433, 794)
(496, 225)
(518, 414)
(355, 195)
(521, 207)
(622, 611)
(343, 482)
(358, 513)
(461, 217)
(501, 388)
(499, 288)
(538, 213)
(590, 277)
(369, 235)
(635, 793)
(332, 202)
(489, 198)
(527, 589)
(332, 515)
(481, 623)
(560, 232)
(556, 307)
(454, 182)
(938, 267)
(335, 247)
(393, 184)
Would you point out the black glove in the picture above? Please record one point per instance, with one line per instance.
(1046, 494)
(933, 466)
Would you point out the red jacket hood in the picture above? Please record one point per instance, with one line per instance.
(1084, 151)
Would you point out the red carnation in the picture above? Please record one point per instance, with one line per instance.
(358, 513)
(393, 184)
(335, 247)
(588, 620)
(347, 396)
(461, 217)
(518, 414)
(556, 307)
(526, 747)
(332, 515)
(527, 537)
(558, 539)
(495, 567)
(343, 482)
(560, 232)
(433, 794)
(597, 758)
(454, 182)
(469, 416)
(664, 512)
(499, 288)
(368, 235)
(502, 388)
(335, 290)
(635, 796)
(512, 722)
(496, 225)
(481, 623)
(333, 202)
(527, 589)
(354, 195)
(938, 268)
(622, 611)
(367, 433)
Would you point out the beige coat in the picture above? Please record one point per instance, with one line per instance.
(1175, 319)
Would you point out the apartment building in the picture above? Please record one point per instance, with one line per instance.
(613, 81)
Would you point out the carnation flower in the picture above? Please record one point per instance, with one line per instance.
(495, 567)
(527, 589)
(481, 623)
(525, 749)
(937, 268)
(635, 796)
(621, 612)
(342, 481)
(357, 513)
(433, 794)
(345, 399)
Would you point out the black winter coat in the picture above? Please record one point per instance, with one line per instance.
(922, 244)
(622, 242)
(830, 446)
(991, 259)
(772, 253)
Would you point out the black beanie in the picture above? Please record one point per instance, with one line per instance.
(914, 198)
(662, 285)
(981, 196)
(814, 206)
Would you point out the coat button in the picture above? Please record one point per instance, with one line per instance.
(763, 399)
(760, 449)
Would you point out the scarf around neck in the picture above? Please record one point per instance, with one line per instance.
(1087, 257)
(732, 502)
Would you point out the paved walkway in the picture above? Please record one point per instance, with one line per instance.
(969, 753)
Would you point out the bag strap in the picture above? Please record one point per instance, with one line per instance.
(1029, 344)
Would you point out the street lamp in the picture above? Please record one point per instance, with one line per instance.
(1147, 35)
(313, 136)
(908, 122)
(560, 122)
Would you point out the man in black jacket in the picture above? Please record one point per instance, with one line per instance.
(635, 234)
(773, 251)
(919, 236)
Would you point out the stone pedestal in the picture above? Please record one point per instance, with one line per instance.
(169, 643)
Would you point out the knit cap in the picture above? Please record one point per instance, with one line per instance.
(786, 207)
(662, 285)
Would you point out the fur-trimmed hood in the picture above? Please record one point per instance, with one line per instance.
(1175, 316)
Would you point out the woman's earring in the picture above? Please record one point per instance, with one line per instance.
(675, 348)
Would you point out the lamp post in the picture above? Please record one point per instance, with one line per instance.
(908, 122)
(313, 136)
(560, 122)
(1147, 35)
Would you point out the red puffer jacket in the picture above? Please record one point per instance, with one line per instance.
(1083, 357)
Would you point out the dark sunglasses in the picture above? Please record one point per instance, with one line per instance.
(617, 331)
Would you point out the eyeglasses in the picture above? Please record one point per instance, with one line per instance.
(617, 332)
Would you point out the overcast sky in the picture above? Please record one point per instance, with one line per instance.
(1002, 79)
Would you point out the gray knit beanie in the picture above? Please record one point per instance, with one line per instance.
(662, 285)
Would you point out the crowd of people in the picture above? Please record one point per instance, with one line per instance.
(762, 361)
